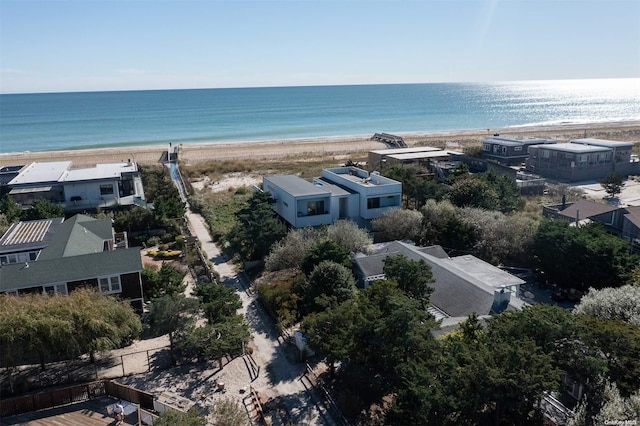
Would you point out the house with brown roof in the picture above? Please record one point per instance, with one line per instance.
(621, 221)
(583, 211)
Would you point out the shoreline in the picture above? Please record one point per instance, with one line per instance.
(333, 146)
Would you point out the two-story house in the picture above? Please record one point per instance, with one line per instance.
(510, 151)
(582, 159)
(103, 186)
(340, 193)
(57, 256)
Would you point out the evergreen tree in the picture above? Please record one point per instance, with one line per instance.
(171, 314)
(612, 184)
(413, 277)
(257, 228)
(10, 209)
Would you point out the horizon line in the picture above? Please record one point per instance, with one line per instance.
(319, 85)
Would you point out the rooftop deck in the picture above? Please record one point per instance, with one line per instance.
(88, 413)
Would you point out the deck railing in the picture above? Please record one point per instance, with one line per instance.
(73, 394)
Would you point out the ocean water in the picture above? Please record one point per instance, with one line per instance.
(55, 121)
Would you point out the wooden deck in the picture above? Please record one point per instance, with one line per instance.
(88, 413)
(392, 141)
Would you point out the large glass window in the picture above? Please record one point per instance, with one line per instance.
(373, 203)
(106, 189)
(315, 208)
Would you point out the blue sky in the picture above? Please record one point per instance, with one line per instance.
(86, 45)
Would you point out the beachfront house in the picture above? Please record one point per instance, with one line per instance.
(462, 284)
(56, 256)
(510, 151)
(340, 193)
(582, 159)
(76, 189)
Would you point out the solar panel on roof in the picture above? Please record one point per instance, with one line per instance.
(28, 232)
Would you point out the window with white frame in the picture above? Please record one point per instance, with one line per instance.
(109, 285)
(517, 148)
(55, 289)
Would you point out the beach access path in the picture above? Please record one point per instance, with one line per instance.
(273, 369)
(272, 372)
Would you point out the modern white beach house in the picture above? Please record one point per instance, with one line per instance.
(340, 193)
(103, 186)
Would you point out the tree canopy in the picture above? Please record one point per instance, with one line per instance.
(582, 257)
(622, 303)
(171, 314)
(179, 418)
(257, 228)
(399, 224)
(326, 249)
(85, 321)
(612, 184)
(43, 209)
(413, 277)
(487, 191)
(329, 285)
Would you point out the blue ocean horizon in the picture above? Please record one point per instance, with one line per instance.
(78, 120)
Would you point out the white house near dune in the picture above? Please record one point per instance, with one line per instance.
(340, 193)
(103, 186)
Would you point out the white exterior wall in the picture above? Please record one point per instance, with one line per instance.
(139, 189)
(90, 191)
(388, 190)
(340, 204)
(285, 204)
(294, 209)
(303, 220)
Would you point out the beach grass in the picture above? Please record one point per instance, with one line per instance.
(249, 156)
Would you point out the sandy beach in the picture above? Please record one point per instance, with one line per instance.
(338, 147)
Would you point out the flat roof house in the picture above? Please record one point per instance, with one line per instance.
(340, 193)
(582, 159)
(103, 186)
(510, 151)
(55, 256)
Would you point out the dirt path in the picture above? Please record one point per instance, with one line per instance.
(272, 371)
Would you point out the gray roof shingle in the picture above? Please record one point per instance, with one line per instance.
(461, 286)
(75, 268)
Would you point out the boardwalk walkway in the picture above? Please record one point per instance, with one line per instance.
(392, 141)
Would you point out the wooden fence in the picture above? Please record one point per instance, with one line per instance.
(127, 393)
(72, 394)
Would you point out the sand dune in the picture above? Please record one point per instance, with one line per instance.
(339, 146)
